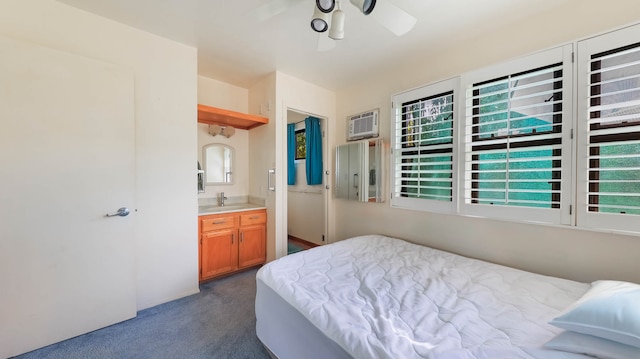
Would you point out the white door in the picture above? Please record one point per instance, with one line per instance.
(66, 159)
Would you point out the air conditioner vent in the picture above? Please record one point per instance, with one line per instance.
(362, 125)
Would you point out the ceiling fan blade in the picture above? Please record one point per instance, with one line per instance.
(271, 9)
(393, 18)
(325, 43)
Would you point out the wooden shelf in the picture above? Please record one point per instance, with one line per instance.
(217, 116)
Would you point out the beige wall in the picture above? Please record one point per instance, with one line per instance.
(219, 94)
(212, 92)
(561, 251)
(165, 110)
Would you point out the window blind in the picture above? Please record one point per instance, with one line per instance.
(613, 131)
(424, 148)
(514, 139)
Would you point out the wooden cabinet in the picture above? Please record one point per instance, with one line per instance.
(231, 242)
(218, 253)
(253, 232)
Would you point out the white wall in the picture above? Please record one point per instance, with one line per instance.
(560, 251)
(165, 110)
(229, 97)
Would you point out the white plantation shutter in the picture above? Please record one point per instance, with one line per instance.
(423, 142)
(609, 83)
(425, 148)
(516, 141)
(517, 150)
(503, 142)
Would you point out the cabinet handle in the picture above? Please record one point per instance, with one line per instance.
(232, 235)
(241, 237)
(218, 222)
(254, 217)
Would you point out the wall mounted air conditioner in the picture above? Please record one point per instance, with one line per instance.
(362, 125)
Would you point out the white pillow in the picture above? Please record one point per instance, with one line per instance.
(586, 344)
(609, 310)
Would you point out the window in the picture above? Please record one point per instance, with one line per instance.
(423, 148)
(610, 117)
(516, 143)
(514, 147)
(504, 142)
(301, 144)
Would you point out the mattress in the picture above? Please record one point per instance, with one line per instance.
(380, 297)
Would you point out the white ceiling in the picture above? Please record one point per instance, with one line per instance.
(237, 47)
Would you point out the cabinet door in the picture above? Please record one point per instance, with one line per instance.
(352, 172)
(219, 253)
(252, 249)
(356, 174)
(342, 171)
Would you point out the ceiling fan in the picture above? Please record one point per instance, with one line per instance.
(329, 17)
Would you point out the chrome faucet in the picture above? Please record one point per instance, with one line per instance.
(221, 199)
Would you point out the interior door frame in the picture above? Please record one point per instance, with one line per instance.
(326, 171)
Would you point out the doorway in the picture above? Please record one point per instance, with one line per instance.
(306, 204)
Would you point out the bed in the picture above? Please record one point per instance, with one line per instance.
(380, 297)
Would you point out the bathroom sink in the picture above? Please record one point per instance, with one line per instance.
(227, 208)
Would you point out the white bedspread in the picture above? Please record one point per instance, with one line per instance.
(379, 297)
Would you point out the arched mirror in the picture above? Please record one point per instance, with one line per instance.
(218, 164)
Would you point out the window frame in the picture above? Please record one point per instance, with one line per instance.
(300, 142)
(428, 91)
(536, 140)
(468, 80)
(574, 201)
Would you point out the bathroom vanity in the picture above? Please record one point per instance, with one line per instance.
(231, 238)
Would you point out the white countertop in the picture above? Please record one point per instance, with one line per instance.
(236, 207)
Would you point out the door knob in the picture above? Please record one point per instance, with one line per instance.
(122, 212)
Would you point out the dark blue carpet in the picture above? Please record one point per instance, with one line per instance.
(219, 322)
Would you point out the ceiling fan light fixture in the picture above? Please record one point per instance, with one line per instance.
(319, 21)
(337, 25)
(326, 6)
(366, 6)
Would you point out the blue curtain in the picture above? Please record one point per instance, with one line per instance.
(291, 154)
(314, 150)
